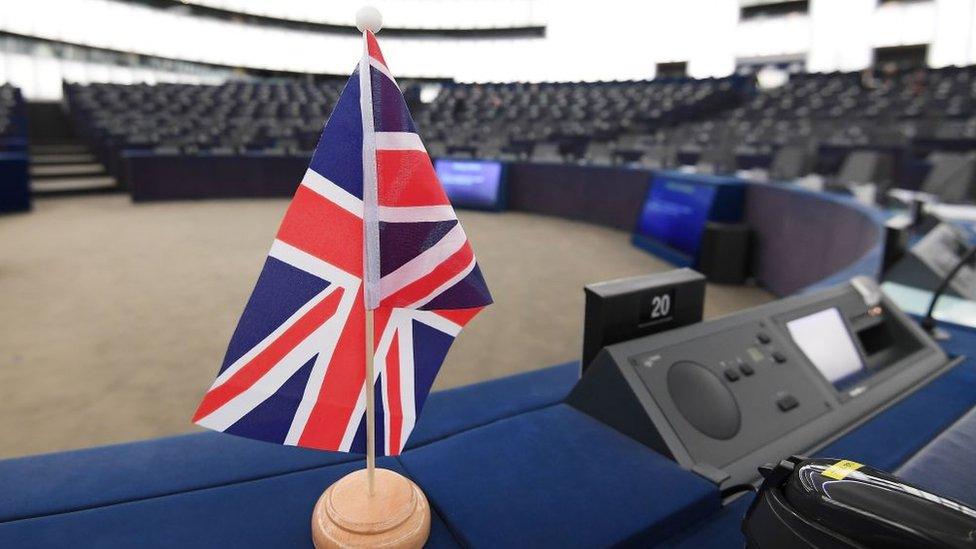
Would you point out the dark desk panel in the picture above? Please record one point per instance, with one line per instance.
(610, 196)
(802, 238)
(152, 176)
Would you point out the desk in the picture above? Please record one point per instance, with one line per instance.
(916, 301)
(14, 182)
(502, 463)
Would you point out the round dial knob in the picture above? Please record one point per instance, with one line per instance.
(704, 400)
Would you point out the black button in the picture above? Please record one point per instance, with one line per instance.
(746, 369)
(779, 357)
(763, 337)
(731, 374)
(787, 403)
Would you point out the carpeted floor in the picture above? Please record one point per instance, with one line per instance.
(114, 317)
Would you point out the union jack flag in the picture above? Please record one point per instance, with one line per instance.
(369, 228)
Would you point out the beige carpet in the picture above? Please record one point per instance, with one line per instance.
(114, 317)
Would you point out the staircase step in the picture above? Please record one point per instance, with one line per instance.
(58, 148)
(73, 184)
(57, 170)
(61, 158)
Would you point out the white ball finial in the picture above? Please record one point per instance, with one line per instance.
(370, 18)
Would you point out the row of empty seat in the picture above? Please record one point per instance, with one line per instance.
(251, 116)
(922, 110)
(812, 124)
(556, 121)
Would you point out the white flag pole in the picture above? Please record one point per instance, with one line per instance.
(370, 407)
(369, 20)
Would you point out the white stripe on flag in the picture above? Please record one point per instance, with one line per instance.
(357, 414)
(416, 214)
(307, 262)
(408, 405)
(443, 287)
(321, 341)
(383, 69)
(353, 426)
(260, 347)
(380, 361)
(399, 141)
(327, 345)
(436, 321)
(385, 340)
(332, 192)
(424, 263)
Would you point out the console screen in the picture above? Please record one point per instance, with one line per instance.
(472, 183)
(675, 213)
(824, 339)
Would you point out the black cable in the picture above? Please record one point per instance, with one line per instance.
(928, 323)
(737, 489)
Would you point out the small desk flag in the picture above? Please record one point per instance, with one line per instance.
(369, 228)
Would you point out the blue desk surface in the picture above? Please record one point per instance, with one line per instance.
(503, 463)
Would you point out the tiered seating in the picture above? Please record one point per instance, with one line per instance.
(480, 120)
(597, 123)
(14, 180)
(183, 134)
(811, 124)
(241, 116)
(849, 109)
(906, 115)
(570, 121)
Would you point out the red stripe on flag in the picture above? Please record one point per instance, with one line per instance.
(393, 394)
(374, 48)
(267, 359)
(407, 178)
(319, 227)
(342, 385)
(423, 286)
(459, 316)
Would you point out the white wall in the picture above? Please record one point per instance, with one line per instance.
(39, 77)
(836, 35)
(417, 14)
(622, 39)
(175, 34)
(585, 40)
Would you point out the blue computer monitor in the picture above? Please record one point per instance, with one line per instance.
(677, 208)
(474, 184)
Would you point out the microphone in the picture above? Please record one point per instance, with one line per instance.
(928, 323)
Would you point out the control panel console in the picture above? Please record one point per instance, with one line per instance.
(725, 396)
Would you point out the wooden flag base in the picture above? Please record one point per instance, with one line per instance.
(397, 515)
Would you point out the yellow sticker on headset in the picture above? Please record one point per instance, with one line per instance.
(841, 469)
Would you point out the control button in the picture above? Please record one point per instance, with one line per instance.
(779, 357)
(787, 403)
(763, 338)
(746, 369)
(731, 374)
